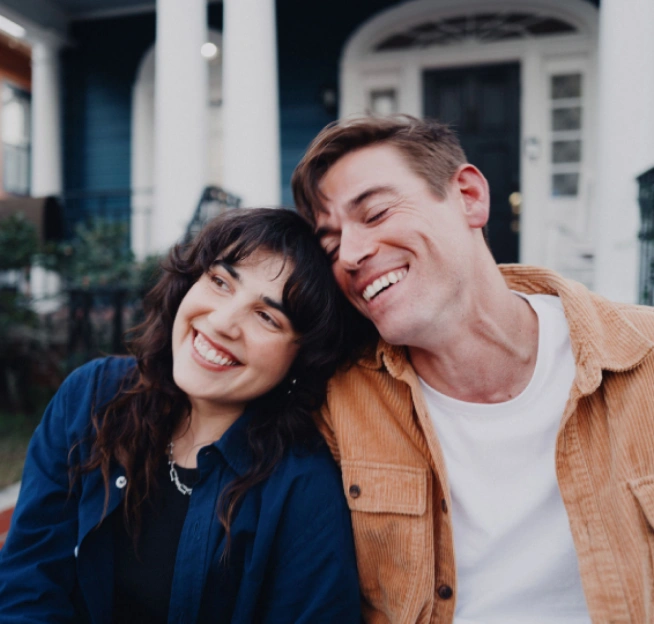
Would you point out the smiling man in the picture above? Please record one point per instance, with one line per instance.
(497, 448)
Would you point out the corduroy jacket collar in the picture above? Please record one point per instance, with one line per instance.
(601, 338)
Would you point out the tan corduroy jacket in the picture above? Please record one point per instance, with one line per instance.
(395, 481)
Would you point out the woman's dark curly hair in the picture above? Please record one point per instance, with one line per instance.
(135, 428)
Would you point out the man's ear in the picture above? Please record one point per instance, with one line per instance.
(473, 187)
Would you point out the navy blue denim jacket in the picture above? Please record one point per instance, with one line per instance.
(291, 558)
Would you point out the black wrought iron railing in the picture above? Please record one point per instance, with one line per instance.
(646, 236)
(214, 201)
(116, 206)
(99, 310)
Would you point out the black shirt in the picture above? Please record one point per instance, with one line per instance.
(143, 577)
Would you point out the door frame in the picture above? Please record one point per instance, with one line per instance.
(363, 70)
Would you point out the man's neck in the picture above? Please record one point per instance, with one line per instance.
(488, 356)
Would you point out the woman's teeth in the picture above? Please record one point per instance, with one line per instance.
(383, 282)
(209, 353)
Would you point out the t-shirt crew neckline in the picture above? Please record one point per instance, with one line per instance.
(530, 393)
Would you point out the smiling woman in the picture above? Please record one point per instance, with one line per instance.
(187, 482)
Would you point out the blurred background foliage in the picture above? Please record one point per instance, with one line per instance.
(99, 298)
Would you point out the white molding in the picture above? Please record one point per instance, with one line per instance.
(139, 9)
(98, 14)
(399, 17)
(54, 35)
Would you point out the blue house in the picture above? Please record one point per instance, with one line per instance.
(137, 107)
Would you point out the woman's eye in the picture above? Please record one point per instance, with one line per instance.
(268, 319)
(220, 282)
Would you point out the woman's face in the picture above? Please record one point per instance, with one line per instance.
(232, 341)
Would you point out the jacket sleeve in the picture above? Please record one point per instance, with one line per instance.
(37, 562)
(315, 579)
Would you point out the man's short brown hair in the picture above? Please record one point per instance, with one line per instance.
(432, 151)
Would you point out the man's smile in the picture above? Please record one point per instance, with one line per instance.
(383, 282)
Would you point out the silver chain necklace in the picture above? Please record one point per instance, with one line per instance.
(174, 477)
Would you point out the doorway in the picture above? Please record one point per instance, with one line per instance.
(482, 104)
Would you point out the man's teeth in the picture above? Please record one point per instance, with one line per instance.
(383, 282)
(209, 353)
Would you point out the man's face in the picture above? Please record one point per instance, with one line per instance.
(400, 254)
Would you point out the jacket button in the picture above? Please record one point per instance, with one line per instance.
(355, 491)
(121, 482)
(444, 505)
(445, 592)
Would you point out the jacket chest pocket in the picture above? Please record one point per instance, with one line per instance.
(392, 531)
(643, 490)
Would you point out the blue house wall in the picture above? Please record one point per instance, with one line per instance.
(98, 75)
(311, 36)
(100, 69)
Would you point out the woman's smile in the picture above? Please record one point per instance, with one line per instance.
(208, 353)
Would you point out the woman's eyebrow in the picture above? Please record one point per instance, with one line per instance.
(228, 267)
(275, 304)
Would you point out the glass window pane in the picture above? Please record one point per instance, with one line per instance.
(566, 86)
(484, 27)
(566, 118)
(383, 102)
(14, 123)
(566, 151)
(565, 184)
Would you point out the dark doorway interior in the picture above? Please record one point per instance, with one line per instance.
(482, 103)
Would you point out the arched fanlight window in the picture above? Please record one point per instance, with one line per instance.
(484, 28)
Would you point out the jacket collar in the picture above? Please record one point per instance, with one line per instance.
(234, 446)
(602, 337)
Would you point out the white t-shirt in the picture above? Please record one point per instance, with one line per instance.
(516, 562)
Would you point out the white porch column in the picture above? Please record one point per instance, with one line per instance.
(46, 157)
(180, 117)
(625, 140)
(251, 102)
(46, 121)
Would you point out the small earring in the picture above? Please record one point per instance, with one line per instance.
(293, 382)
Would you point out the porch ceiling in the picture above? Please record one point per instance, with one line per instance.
(80, 8)
(55, 15)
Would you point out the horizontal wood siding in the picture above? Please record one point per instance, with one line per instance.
(311, 36)
(99, 72)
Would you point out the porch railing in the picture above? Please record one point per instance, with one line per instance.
(98, 315)
(110, 206)
(646, 236)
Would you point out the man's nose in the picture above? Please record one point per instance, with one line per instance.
(356, 245)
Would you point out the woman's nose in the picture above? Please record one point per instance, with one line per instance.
(226, 321)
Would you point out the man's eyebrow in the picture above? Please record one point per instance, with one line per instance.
(354, 203)
(228, 267)
(275, 304)
(367, 194)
